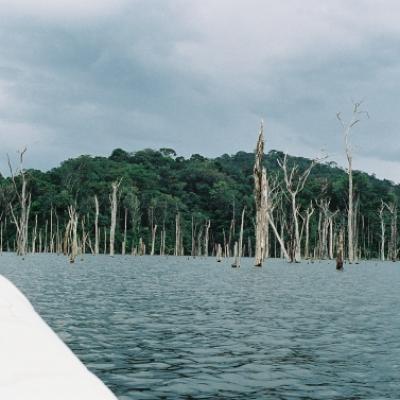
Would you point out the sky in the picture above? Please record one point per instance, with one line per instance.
(86, 77)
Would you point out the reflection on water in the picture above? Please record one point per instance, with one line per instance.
(167, 328)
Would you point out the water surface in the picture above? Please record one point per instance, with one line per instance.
(178, 328)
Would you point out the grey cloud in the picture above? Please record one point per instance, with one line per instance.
(165, 74)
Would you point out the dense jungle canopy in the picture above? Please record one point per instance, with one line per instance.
(156, 184)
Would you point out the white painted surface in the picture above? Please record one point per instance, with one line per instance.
(34, 363)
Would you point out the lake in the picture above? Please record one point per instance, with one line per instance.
(178, 328)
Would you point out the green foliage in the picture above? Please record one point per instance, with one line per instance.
(198, 187)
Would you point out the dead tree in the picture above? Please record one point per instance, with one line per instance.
(24, 199)
(273, 199)
(219, 253)
(331, 219)
(73, 233)
(96, 226)
(199, 241)
(178, 236)
(323, 225)
(153, 227)
(51, 231)
(45, 249)
(392, 250)
(134, 207)
(40, 241)
(34, 235)
(308, 214)
(58, 236)
(206, 237)
(340, 251)
(193, 248)
(105, 241)
(239, 247)
(294, 184)
(163, 237)
(356, 211)
(347, 128)
(382, 221)
(153, 238)
(260, 195)
(114, 204)
(123, 249)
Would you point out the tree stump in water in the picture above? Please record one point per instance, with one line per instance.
(339, 257)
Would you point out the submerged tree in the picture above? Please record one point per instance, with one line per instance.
(114, 204)
(382, 223)
(179, 251)
(392, 250)
(260, 195)
(96, 226)
(347, 129)
(24, 200)
(239, 246)
(294, 184)
(340, 251)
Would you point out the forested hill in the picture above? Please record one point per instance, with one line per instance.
(157, 184)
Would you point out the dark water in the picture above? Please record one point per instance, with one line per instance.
(167, 328)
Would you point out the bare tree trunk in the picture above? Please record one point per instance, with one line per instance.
(340, 251)
(58, 237)
(294, 184)
(113, 200)
(84, 236)
(142, 247)
(347, 127)
(225, 244)
(123, 250)
(249, 247)
(330, 221)
(392, 251)
(199, 237)
(51, 231)
(382, 220)
(96, 227)
(153, 239)
(193, 232)
(34, 235)
(235, 255)
(40, 248)
(219, 253)
(25, 204)
(230, 236)
(163, 240)
(260, 195)
(46, 227)
(279, 237)
(105, 240)
(178, 236)
(206, 238)
(240, 247)
(325, 224)
(73, 233)
(350, 233)
(356, 209)
(309, 213)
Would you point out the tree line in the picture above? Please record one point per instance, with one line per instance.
(158, 203)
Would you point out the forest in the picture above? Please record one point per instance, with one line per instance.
(157, 202)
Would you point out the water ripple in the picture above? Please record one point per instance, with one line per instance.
(173, 328)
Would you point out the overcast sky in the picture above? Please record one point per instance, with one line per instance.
(85, 77)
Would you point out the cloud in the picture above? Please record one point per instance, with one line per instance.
(61, 10)
(198, 76)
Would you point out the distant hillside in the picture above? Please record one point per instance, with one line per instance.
(158, 183)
